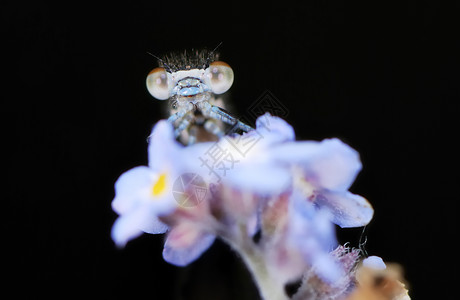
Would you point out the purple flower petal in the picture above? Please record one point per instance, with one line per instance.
(348, 210)
(311, 229)
(327, 268)
(184, 244)
(274, 129)
(329, 164)
(336, 165)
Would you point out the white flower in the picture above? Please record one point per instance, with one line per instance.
(142, 194)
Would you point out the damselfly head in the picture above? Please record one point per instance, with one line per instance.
(192, 82)
(189, 79)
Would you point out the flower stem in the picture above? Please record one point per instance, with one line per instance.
(269, 288)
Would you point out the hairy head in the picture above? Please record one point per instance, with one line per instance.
(187, 60)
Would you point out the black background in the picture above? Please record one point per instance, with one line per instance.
(383, 77)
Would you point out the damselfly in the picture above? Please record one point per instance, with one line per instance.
(193, 83)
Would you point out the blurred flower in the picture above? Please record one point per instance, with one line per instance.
(303, 240)
(273, 199)
(242, 172)
(145, 201)
(324, 171)
(185, 243)
(294, 191)
(312, 232)
(142, 194)
(319, 286)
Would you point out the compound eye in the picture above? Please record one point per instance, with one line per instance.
(219, 77)
(159, 83)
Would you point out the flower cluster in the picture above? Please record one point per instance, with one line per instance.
(275, 200)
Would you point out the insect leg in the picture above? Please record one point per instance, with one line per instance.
(178, 115)
(184, 124)
(174, 117)
(211, 127)
(192, 133)
(218, 113)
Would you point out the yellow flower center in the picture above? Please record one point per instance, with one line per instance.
(160, 186)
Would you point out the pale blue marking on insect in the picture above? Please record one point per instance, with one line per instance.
(190, 87)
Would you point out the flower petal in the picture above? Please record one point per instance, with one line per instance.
(336, 166)
(133, 224)
(126, 228)
(310, 228)
(130, 187)
(163, 150)
(274, 129)
(134, 189)
(348, 210)
(260, 179)
(329, 164)
(153, 225)
(185, 243)
(310, 236)
(327, 268)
